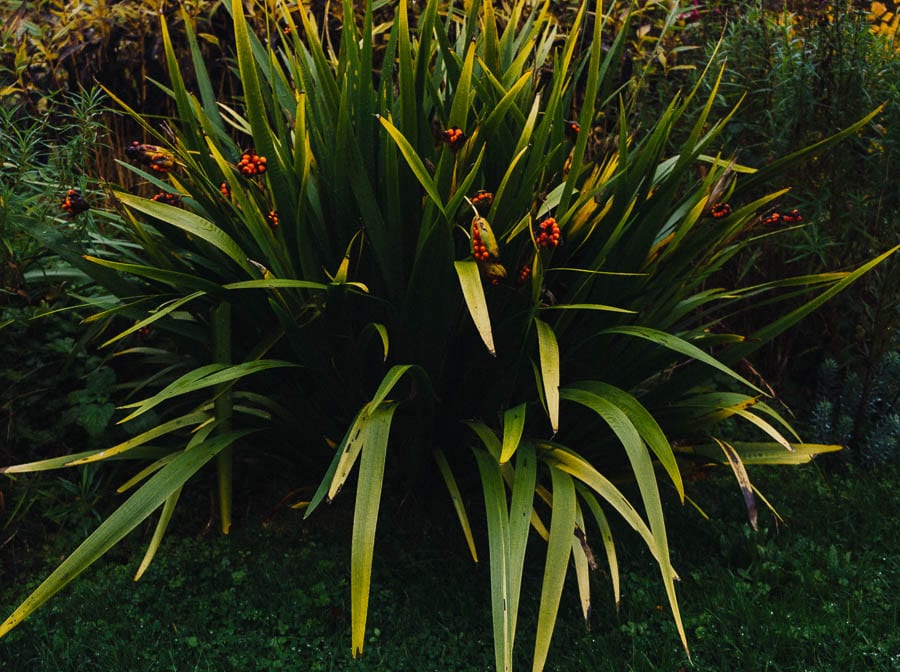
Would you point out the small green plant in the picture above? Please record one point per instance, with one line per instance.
(58, 382)
(56, 386)
(55, 389)
(425, 256)
(862, 415)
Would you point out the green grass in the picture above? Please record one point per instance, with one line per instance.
(816, 594)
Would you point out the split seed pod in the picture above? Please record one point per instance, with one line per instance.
(481, 231)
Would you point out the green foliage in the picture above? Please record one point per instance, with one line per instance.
(70, 502)
(58, 382)
(43, 156)
(802, 75)
(55, 390)
(561, 334)
(57, 385)
(863, 415)
(49, 46)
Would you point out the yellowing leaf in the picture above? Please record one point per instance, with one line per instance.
(473, 293)
(513, 425)
(549, 355)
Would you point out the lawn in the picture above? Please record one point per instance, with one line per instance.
(816, 593)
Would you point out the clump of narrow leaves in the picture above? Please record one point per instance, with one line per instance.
(540, 342)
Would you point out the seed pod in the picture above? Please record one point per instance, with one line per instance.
(548, 233)
(251, 164)
(792, 217)
(74, 204)
(720, 210)
(162, 162)
(167, 198)
(159, 160)
(493, 271)
(482, 201)
(453, 137)
(481, 230)
(524, 273)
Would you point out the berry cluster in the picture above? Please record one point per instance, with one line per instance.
(251, 164)
(74, 203)
(548, 233)
(167, 198)
(482, 200)
(453, 137)
(792, 217)
(524, 273)
(720, 210)
(272, 219)
(572, 130)
(479, 249)
(225, 190)
(159, 160)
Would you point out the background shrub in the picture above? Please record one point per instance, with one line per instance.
(56, 390)
(805, 72)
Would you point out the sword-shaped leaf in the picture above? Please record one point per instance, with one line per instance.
(644, 474)
(585, 472)
(340, 456)
(415, 163)
(456, 497)
(681, 346)
(142, 453)
(391, 378)
(606, 535)
(498, 547)
(521, 514)
(173, 278)
(783, 323)
(761, 452)
(348, 452)
(583, 559)
(743, 479)
(473, 293)
(164, 517)
(562, 528)
(646, 425)
(589, 306)
(548, 350)
(190, 223)
(274, 283)
(487, 436)
(158, 314)
(513, 426)
(764, 426)
(200, 378)
(376, 429)
(197, 418)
